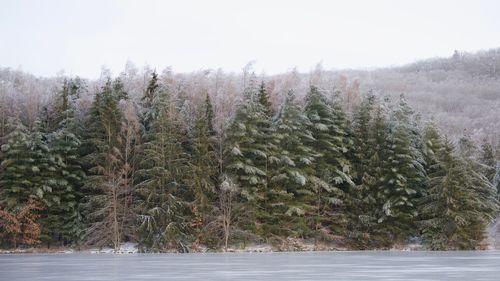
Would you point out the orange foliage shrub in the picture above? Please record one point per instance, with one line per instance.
(20, 227)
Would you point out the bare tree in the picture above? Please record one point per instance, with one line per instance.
(228, 207)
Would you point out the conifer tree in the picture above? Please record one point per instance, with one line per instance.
(367, 129)
(204, 169)
(290, 175)
(16, 179)
(29, 172)
(458, 204)
(62, 222)
(487, 162)
(266, 141)
(164, 210)
(147, 101)
(246, 153)
(331, 168)
(403, 175)
(373, 179)
(263, 97)
(108, 188)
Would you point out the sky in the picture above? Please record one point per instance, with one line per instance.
(79, 37)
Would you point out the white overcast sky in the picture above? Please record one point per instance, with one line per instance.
(44, 37)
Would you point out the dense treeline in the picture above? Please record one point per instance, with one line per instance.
(160, 171)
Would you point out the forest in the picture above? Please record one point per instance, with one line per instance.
(214, 160)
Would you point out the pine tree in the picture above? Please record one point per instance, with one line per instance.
(147, 101)
(246, 156)
(331, 168)
(62, 221)
(18, 163)
(68, 179)
(204, 169)
(458, 205)
(266, 141)
(289, 186)
(367, 127)
(374, 234)
(404, 175)
(164, 210)
(496, 177)
(487, 162)
(108, 188)
(29, 172)
(263, 97)
(344, 142)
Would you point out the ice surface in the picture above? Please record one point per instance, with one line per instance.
(391, 265)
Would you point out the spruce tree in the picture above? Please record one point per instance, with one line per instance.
(147, 101)
(331, 168)
(18, 163)
(367, 127)
(403, 175)
(245, 156)
(164, 210)
(204, 169)
(373, 180)
(263, 97)
(487, 162)
(107, 190)
(62, 221)
(29, 168)
(265, 141)
(290, 186)
(458, 205)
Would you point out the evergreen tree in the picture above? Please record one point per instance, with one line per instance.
(458, 205)
(246, 156)
(147, 101)
(289, 187)
(266, 141)
(263, 97)
(119, 89)
(29, 172)
(68, 178)
(108, 188)
(331, 168)
(487, 162)
(373, 180)
(404, 175)
(18, 163)
(164, 210)
(204, 169)
(367, 129)
(62, 222)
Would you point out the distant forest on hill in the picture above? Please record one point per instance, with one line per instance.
(361, 159)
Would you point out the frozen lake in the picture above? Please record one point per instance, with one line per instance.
(255, 266)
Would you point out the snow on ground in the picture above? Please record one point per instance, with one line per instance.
(125, 248)
(493, 232)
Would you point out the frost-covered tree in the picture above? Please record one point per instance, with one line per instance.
(203, 165)
(290, 184)
(368, 132)
(108, 189)
(458, 204)
(488, 162)
(164, 213)
(246, 152)
(62, 221)
(18, 166)
(403, 174)
(331, 167)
